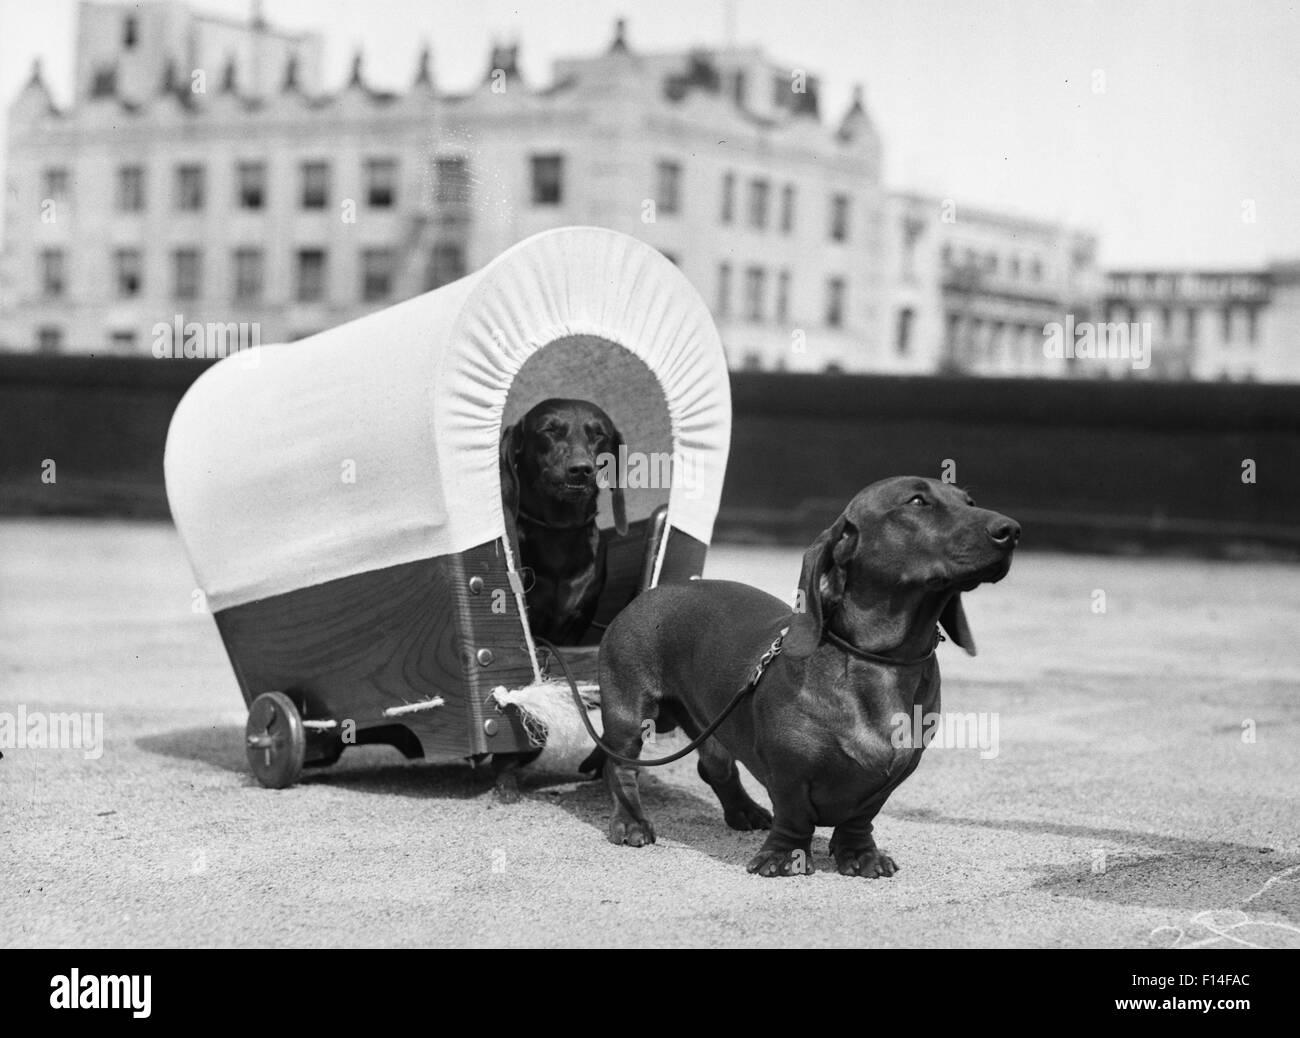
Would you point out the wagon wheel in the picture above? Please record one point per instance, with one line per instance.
(276, 740)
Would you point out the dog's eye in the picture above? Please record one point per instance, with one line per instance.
(917, 499)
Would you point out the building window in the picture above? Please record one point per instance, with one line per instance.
(840, 218)
(376, 274)
(783, 296)
(130, 189)
(1252, 324)
(728, 211)
(668, 187)
(1192, 316)
(103, 82)
(122, 343)
(251, 181)
(186, 273)
(49, 339)
(835, 303)
(1036, 269)
(1015, 268)
(311, 275)
(315, 184)
(55, 182)
(53, 283)
(446, 264)
(991, 263)
(787, 209)
(758, 192)
(755, 283)
(903, 338)
(724, 291)
(249, 274)
(451, 183)
(381, 183)
(189, 188)
(130, 32)
(128, 273)
(1227, 324)
(548, 179)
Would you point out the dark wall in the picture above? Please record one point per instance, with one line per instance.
(1095, 465)
(1109, 466)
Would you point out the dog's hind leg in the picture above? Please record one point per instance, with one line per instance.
(623, 719)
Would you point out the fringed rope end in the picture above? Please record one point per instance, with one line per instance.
(551, 721)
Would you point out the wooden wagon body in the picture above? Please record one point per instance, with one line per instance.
(339, 496)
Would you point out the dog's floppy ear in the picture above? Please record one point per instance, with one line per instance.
(953, 620)
(512, 438)
(616, 488)
(823, 562)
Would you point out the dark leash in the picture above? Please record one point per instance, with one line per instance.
(748, 687)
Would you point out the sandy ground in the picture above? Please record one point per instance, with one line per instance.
(1124, 807)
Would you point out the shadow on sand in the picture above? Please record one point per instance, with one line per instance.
(1125, 867)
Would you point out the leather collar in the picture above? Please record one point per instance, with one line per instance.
(874, 657)
(534, 521)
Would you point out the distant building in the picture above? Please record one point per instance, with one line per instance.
(972, 290)
(1214, 324)
(201, 173)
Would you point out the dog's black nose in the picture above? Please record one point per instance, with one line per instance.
(1004, 532)
(581, 469)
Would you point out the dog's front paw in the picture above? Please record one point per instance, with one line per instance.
(797, 862)
(630, 831)
(871, 863)
(749, 817)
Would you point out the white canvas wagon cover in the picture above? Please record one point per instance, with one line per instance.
(409, 402)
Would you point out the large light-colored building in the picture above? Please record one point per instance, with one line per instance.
(201, 176)
(204, 176)
(971, 290)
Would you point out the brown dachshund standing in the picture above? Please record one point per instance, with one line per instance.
(549, 487)
(818, 731)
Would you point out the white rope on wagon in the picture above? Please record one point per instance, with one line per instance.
(411, 708)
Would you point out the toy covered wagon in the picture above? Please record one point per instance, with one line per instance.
(340, 498)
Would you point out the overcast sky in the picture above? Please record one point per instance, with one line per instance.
(990, 102)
